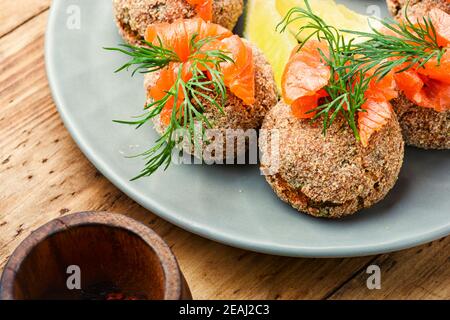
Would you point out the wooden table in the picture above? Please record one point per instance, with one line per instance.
(44, 175)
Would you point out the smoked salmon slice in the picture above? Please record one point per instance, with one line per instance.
(303, 107)
(306, 76)
(376, 114)
(441, 23)
(306, 71)
(177, 36)
(428, 86)
(426, 93)
(437, 70)
(239, 75)
(376, 110)
(204, 8)
(180, 36)
(164, 84)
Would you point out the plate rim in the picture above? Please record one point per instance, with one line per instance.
(202, 230)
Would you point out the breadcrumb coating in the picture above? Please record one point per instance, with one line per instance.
(332, 176)
(422, 127)
(134, 16)
(417, 8)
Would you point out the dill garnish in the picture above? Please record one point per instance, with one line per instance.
(354, 64)
(399, 47)
(346, 93)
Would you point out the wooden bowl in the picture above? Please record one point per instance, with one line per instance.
(118, 258)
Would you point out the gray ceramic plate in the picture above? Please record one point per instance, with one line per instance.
(233, 205)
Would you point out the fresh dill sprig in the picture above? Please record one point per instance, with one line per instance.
(409, 45)
(205, 84)
(346, 93)
(147, 58)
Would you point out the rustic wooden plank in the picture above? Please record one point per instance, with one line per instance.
(44, 175)
(418, 273)
(14, 13)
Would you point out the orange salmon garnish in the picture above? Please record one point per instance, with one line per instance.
(239, 75)
(385, 86)
(409, 82)
(177, 36)
(441, 23)
(303, 107)
(165, 82)
(376, 110)
(305, 74)
(424, 91)
(427, 87)
(375, 115)
(204, 8)
(437, 70)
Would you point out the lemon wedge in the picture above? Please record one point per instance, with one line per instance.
(334, 14)
(261, 21)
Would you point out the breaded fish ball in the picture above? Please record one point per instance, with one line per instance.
(236, 115)
(134, 16)
(329, 176)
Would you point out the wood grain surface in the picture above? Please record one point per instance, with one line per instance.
(44, 175)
